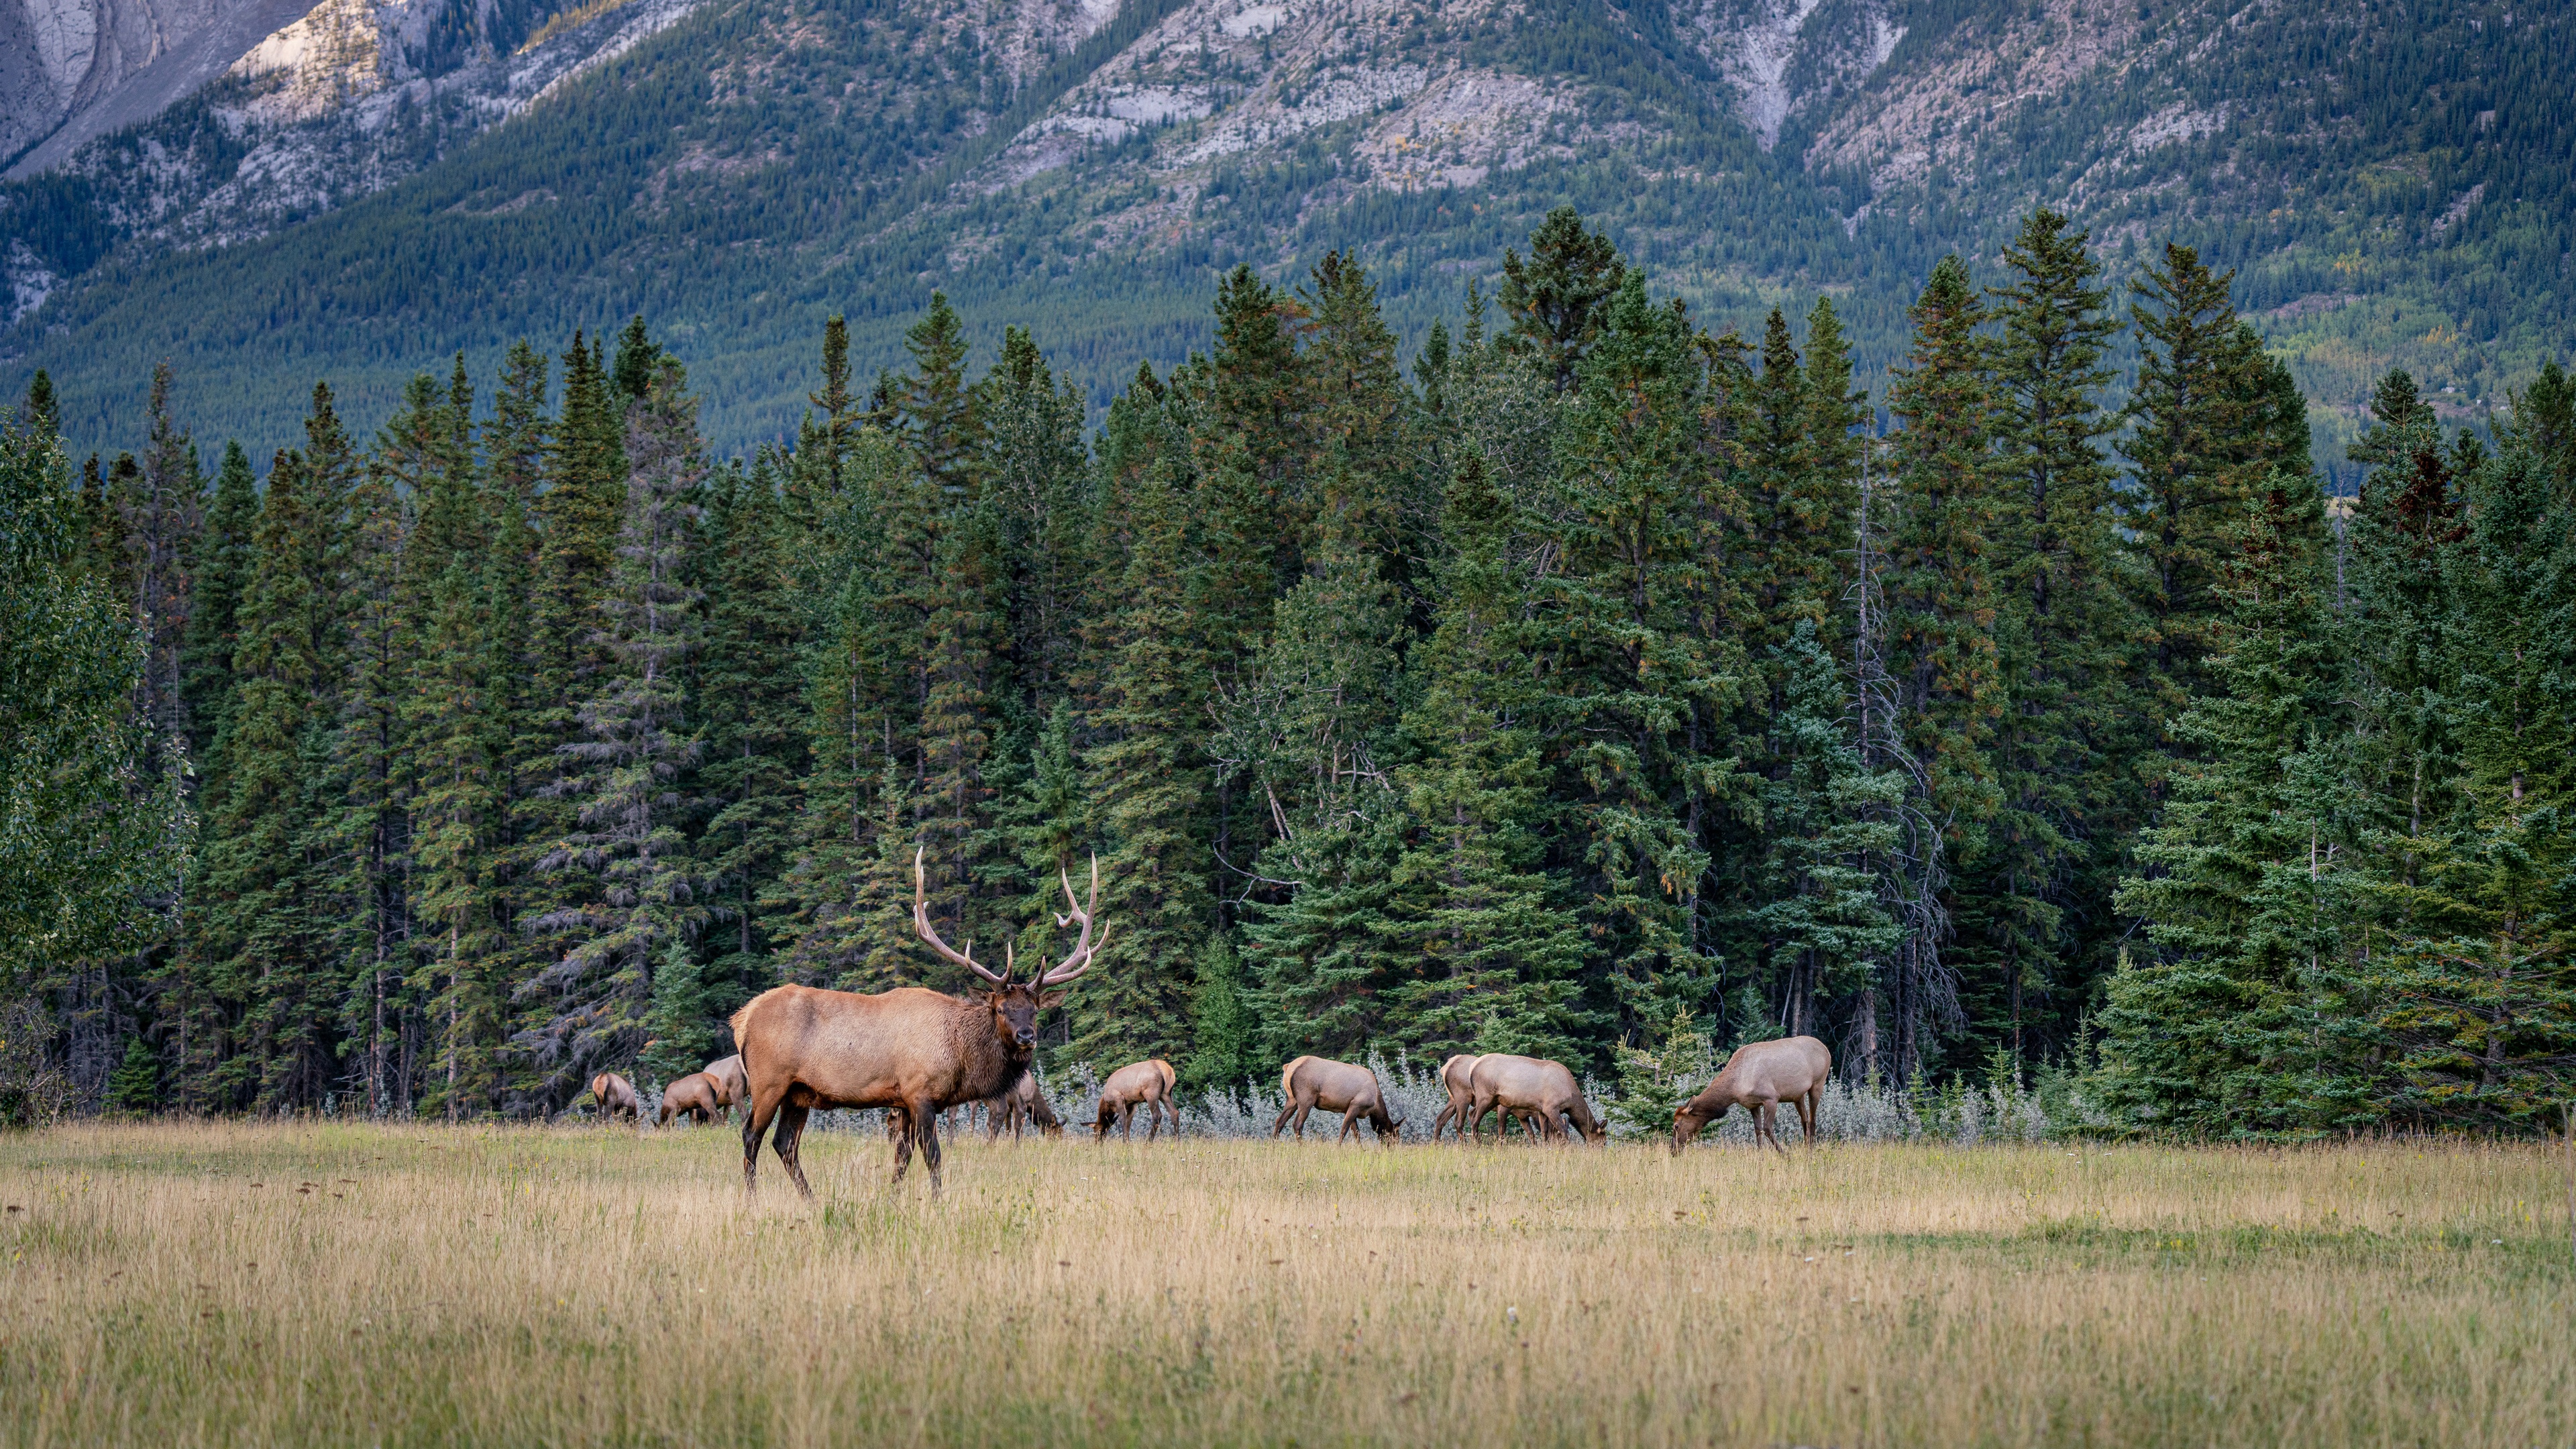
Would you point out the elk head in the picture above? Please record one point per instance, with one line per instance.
(1015, 1004)
(1689, 1118)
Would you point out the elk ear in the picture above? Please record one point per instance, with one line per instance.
(1052, 998)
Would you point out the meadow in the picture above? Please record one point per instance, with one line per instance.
(246, 1283)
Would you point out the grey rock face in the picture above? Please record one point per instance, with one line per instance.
(71, 70)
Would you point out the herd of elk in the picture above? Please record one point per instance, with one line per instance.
(1152, 1085)
(918, 1053)
(912, 1051)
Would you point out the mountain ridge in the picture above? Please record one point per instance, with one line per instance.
(2392, 185)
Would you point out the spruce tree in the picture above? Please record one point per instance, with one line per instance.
(222, 570)
(2238, 1018)
(1149, 778)
(2065, 626)
(628, 768)
(1494, 956)
(1558, 301)
(937, 407)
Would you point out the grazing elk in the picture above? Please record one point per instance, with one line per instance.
(912, 1051)
(731, 1090)
(1540, 1091)
(1759, 1077)
(616, 1098)
(694, 1095)
(1146, 1083)
(1453, 1076)
(1021, 1101)
(1311, 1082)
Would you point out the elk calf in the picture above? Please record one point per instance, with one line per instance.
(1147, 1083)
(1022, 1101)
(616, 1098)
(1540, 1091)
(1759, 1077)
(695, 1095)
(1311, 1082)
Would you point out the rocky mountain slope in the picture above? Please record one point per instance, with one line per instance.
(2394, 182)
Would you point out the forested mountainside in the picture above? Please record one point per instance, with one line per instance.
(1610, 689)
(2392, 181)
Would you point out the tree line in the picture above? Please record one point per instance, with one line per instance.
(1606, 684)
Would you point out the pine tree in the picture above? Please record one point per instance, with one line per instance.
(1498, 955)
(1642, 663)
(2475, 985)
(630, 762)
(938, 409)
(2065, 620)
(2241, 1021)
(222, 568)
(1939, 641)
(1559, 300)
(745, 696)
(1308, 733)
(1034, 473)
(1150, 781)
(259, 932)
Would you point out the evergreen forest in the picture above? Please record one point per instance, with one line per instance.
(1609, 680)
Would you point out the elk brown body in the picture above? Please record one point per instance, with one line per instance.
(1149, 1084)
(1542, 1092)
(1021, 1102)
(731, 1088)
(695, 1095)
(1759, 1077)
(1311, 1082)
(912, 1051)
(616, 1098)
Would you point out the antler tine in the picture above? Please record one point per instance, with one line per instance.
(921, 927)
(1085, 950)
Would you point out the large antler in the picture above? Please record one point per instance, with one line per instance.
(1084, 948)
(921, 927)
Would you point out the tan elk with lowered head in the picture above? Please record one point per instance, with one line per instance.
(1021, 1101)
(912, 1051)
(616, 1098)
(1759, 1077)
(1542, 1093)
(1149, 1084)
(1312, 1082)
(694, 1095)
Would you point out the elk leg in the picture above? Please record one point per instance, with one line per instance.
(929, 1146)
(1305, 1106)
(1807, 1106)
(1350, 1124)
(755, 1123)
(789, 1136)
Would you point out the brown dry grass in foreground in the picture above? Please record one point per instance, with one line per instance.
(565, 1286)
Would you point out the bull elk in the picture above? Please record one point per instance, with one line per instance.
(1148, 1084)
(912, 1051)
(1021, 1101)
(1759, 1077)
(1311, 1082)
(695, 1095)
(1539, 1091)
(616, 1098)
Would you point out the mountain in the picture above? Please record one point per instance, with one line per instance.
(2393, 182)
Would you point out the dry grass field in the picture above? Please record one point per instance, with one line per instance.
(283, 1284)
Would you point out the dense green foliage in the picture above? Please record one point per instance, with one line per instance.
(1610, 689)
